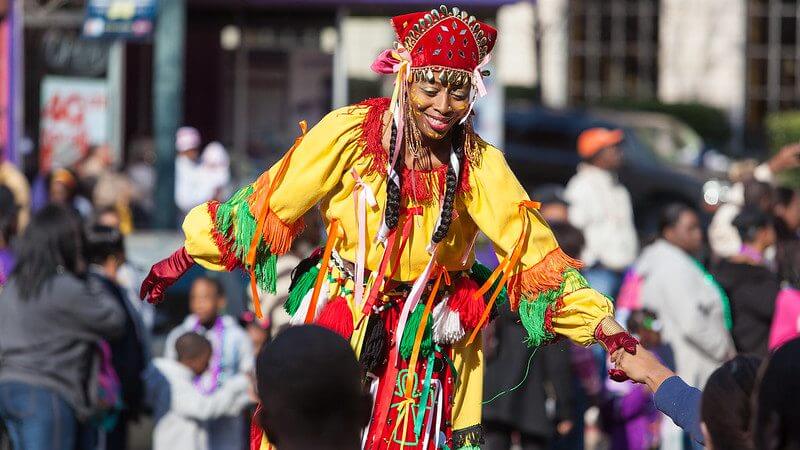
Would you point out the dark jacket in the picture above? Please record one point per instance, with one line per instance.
(50, 340)
(127, 352)
(507, 358)
(752, 291)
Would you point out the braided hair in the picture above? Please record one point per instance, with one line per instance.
(392, 211)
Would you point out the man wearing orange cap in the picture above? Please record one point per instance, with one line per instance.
(601, 207)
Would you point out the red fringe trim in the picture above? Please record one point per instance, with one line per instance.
(546, 274)
(372, 131)
(227, 257)
(371, 139)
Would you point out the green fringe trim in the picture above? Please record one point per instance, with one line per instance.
(235, 215)
(480, 274)
(533, 313)
(304, 284)
(410, 332)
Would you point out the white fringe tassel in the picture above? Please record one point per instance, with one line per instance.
(299, 317)
(447, 327)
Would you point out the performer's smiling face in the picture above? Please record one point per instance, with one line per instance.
(435, 108)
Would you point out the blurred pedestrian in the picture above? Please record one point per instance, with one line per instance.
(600, 206)
(9, 221)
(190, 188)
(50, 323)
(680, 291)
(749, 283)
(555, 208)
(142, 173)
(105, 255)
(786, 321)
(181, 413)
(232, 353)
(114, 190)
(722, 235)
(215, 166)
(257, 329)
(12, 178)
(65, 191)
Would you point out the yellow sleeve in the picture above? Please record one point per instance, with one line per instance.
(219, 235)
(543, 282)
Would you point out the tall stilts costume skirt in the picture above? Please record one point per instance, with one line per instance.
(412, 304)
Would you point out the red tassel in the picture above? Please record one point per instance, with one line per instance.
(337, 317)
(464, 301)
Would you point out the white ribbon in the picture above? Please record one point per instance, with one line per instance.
(478, 88)
(363, 196)
(373, 391)
(413, 299)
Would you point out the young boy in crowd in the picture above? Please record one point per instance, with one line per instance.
(181, 413)
(232, 354)
(309, 384)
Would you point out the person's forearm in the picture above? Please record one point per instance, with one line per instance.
(656, 376)
(681, 403)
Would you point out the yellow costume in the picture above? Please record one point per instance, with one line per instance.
(319, 172)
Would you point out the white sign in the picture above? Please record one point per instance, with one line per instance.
(74, 117)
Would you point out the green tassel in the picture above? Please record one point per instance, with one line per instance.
(266, 270)
(470, 447)
(480, 274)
(410, 332)
(531, 314)
(304, 284)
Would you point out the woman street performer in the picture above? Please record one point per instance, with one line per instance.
(404, 186)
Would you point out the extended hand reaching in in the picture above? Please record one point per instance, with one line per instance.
(163, 274)
(642, 367)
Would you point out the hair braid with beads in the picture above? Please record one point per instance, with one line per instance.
(392, 211)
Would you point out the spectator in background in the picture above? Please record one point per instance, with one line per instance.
(190, 185)
(301, 366)
(257, 329)
(786, 209)
(12, 178)
(65, 191)
(180, 412)
(114, 190)
(142, 173)
(776, 413)
(684, 296)
(9, 220)
(749, 283)
(106, 254)
(232, 354)
(555, 208)
(215, 166)
(50, 322)
(601, 208)
(722, 235)
(786, 321)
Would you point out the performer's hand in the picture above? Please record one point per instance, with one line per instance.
(163, 274)
(615, 339)
(642, 367)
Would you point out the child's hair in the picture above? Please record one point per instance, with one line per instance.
(102, 242)
(750, 221)
(569, 238)
(213, 282)
(776, 413)
(191, 345)
(726, 407)
(309, 379)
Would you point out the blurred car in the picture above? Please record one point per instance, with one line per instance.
(540, 145)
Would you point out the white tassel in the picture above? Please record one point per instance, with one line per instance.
(447, 327)
(299, 317)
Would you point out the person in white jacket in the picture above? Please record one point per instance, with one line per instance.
(687, 300)
(601, 208)
(181, 413)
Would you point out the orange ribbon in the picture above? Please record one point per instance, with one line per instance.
(412, 362)
(333, 234)
(506, 267)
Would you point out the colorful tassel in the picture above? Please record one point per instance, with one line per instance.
(532, 316)
(545, 275)
(409, 334)
(303, 267)
(337, 317)
(447, 327)
(299, 318)
(303, 285)
(466, 302)
(373, 351)
(480, 274)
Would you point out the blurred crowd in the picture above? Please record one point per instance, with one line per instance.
(714, 302)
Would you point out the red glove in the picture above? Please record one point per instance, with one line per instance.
(163, 274)
(613, 337)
